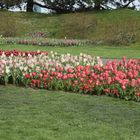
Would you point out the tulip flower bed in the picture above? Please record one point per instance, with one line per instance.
(21, 53)
(79, 74)
(44, 41)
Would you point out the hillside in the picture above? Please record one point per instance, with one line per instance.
(102, 27)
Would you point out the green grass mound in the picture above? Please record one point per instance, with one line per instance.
(107, 27)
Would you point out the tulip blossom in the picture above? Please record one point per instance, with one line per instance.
(82, 73)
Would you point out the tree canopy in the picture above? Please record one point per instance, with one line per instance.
(66, 6)
(8, 3)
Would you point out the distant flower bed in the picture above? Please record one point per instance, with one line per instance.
(39, 41)
(79, 74)
(37, 34)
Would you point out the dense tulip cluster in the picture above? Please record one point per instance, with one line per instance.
(80, 74)
(14, 65)
(21, 53)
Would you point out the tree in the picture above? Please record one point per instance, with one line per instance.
(66, 6)
(59, 6)
(8, 3)
(122, 3)
(30, 4)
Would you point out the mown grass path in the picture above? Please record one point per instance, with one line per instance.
(132, 51)
(28, 114)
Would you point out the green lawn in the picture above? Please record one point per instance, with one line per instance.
(132, 51)
(28, 114)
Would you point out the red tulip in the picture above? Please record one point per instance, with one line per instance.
(33, 74)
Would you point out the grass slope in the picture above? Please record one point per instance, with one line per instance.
(132, 51)
(108, 26)
(46, 115)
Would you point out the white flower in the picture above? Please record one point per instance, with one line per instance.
(7, 70)
(38, 51)
(77, 63)
(12, 55)
(51, 52)
(62, 60)
(25, 68)
(55, 53)
(68, 54)
(52, 55)
(84, 60)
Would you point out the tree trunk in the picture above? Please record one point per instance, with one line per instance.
(30, 5)
(97, 6)
(1, 6)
